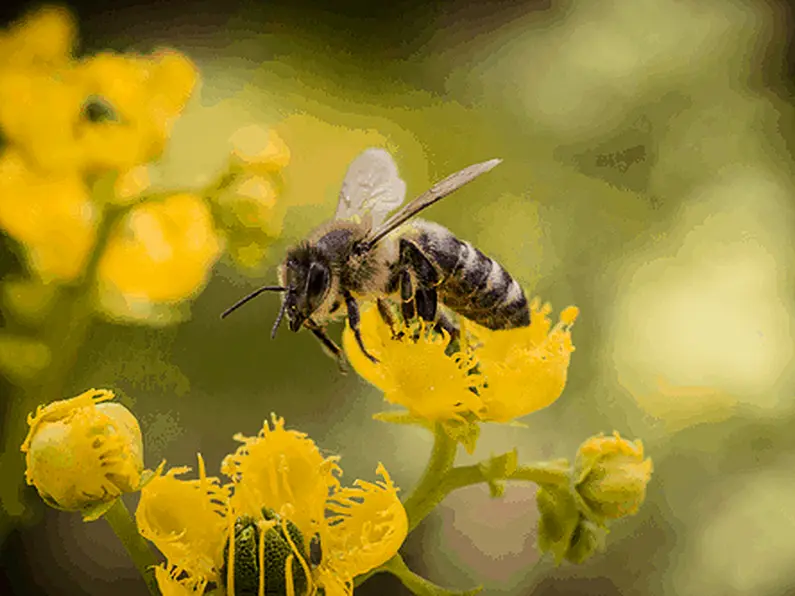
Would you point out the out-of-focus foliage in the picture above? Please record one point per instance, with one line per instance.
(646, 178)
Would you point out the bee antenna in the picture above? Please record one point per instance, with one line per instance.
(251, 296)
(278, 319)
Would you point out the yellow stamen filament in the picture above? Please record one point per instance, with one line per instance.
(288, 575)
(300, 556)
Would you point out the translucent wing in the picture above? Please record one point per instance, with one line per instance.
(437, 191)
(372, 188)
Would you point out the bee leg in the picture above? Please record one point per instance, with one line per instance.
(407, 296)
(389, 319)
(426, 276)
(353, 321)
(446, 324)
(329, 347)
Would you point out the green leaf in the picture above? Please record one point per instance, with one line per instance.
(496, 469)
(402, 417)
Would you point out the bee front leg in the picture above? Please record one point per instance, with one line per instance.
(329, 346)
(353, 321)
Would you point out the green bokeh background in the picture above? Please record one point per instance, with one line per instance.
(647, 178)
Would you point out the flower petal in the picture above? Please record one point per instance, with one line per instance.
(282, 470)
(367, 526)
(415, 373)
(186, 520)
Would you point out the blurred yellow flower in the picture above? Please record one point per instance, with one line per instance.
(43, 38)
(23, 358)
(50, 215)
(186, 520)
(259, 150)
(250, 217)
(500, 375)
(413, 369)
(129, 105)
(525, 368)
(162, 251)
(131, 184)
(81, 452)
(109, 111)
(610, 476)
(287, 524)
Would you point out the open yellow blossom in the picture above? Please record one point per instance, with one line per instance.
(186, 519)
(415, 373)
(50, 215)
(288, 528)
(44, 38)
(162, 251)
(500, 376)
(82, 452)
(525, 368)
(610, 476)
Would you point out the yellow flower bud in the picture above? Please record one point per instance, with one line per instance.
(81, 452)
(611, 475)
(260, 150)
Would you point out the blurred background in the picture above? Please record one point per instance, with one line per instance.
(647, 179)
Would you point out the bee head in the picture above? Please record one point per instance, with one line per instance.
(307, 276)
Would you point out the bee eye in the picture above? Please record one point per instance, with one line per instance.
(317, 282)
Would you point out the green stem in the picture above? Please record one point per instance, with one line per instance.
(549, 473)
(417, 584)
(429, 492)
(123, 525)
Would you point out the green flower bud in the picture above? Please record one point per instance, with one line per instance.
(610, 477)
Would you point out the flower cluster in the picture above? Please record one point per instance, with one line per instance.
(492, 376)
(282, 522)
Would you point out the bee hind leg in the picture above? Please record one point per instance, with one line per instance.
(353, 321)
(421, 299)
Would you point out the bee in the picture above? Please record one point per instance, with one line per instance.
(366, 254)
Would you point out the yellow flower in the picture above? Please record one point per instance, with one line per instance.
(413, 369)
(525, 368)
(81, 452)
(499, 375)
(611, 475)
(260, 151)
(43, 38)
(129, 105)
(171, 584)
(250, 216)
(288, 525)
(109, 111)
(162, 251)
(50, 215)
(186, 520)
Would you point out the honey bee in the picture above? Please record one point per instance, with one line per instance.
(362, 254)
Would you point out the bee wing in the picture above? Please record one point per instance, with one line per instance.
(372, 187)
(437, 191)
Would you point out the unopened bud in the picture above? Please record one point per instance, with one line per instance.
(610, 476)
(81, 453)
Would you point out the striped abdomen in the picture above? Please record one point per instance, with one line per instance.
(472, 284)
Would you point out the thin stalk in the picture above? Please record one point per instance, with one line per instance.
(126, 530)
